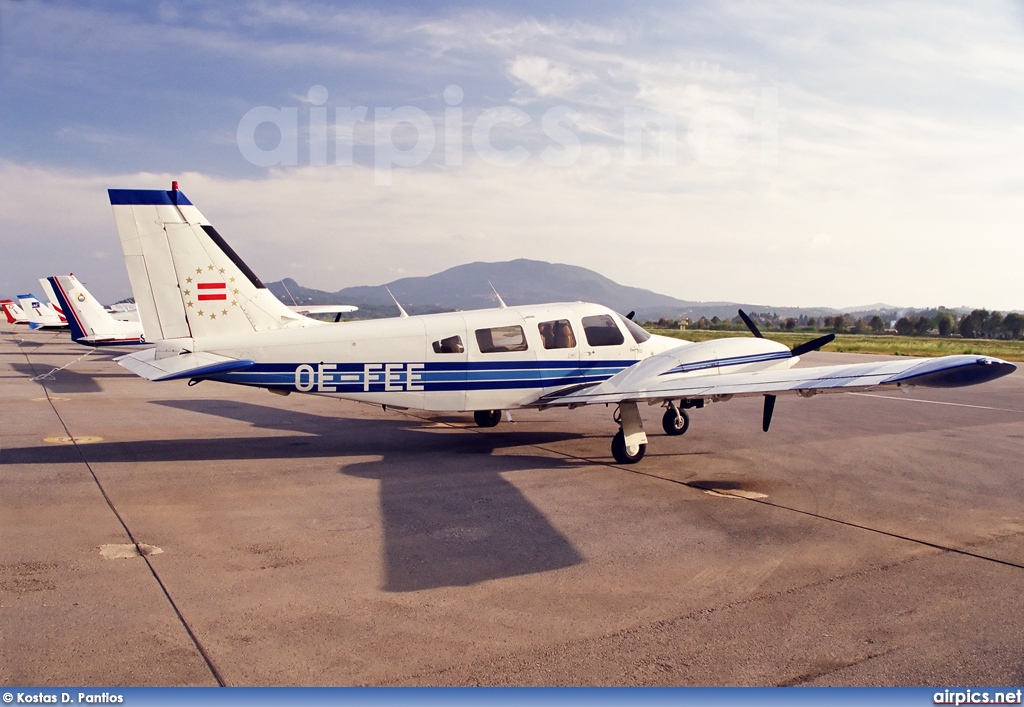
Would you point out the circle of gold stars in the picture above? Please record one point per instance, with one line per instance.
(190, 304)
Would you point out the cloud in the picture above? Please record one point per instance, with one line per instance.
(543, 77)
(894, 130)
(761, 244)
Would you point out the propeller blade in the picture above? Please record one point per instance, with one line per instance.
(631, 314)
(812, 345)
(769, 408)
(750, 324)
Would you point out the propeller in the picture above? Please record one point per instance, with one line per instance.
(631, 314)
(750, 324)
(798, 350)
(812, 345)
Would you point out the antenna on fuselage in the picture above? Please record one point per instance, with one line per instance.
(283, 284)
(501, 302)
(401, 312)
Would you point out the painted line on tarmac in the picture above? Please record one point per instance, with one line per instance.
(830, 519)
(82, 439)
(934, 402)
(124, 525)
(754, 497)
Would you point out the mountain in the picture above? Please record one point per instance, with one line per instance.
(521, 281)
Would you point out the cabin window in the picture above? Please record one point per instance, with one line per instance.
(557, 334)
(638, 333)
(452, 344)
(503, 338)
(601, 330)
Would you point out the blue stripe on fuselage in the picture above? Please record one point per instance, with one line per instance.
(426, 377)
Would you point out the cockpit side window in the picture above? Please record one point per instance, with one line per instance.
(601, 330)
(557, 334)
(638, 333)
(499, 339)
(451, 344)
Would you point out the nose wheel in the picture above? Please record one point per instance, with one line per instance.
(675, 421)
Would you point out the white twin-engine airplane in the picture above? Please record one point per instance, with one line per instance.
(211, 318)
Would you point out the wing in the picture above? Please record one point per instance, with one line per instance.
(944, 372)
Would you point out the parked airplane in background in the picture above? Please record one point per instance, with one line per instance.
(14, 313)
(212, 319)
(124, 311)
(90, 323)
(39, 315)
(51, 298)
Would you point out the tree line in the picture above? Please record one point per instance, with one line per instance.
(941, 322)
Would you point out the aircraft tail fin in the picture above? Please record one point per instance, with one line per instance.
(187, 281)
(90, 323)
(51, 297)
(38, 314)
(14, 313)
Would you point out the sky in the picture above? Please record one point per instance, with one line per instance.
(787, 153)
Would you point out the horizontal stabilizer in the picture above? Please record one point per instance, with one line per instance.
(145, 364)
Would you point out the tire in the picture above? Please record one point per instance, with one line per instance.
(621, 454)
(675, 422)
(487, 418)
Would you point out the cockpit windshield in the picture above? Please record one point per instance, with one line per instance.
(638, 333)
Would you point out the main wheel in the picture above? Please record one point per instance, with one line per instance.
(624, 455)
(675, 421)
(487, 418)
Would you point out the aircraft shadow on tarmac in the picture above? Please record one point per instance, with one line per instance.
(444, 523)
(67, 381)
(449, 517)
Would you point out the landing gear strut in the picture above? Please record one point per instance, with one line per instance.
(487, 418)
(675, 421)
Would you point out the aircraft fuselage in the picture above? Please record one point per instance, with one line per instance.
(492, 359)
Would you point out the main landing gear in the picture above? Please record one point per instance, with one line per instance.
(487, 418)
(675, 421)
(630, 443)
(625, 454)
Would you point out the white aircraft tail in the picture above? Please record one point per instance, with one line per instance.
(52, 297)
(40, 315)
(14, 313)
(187, 281)
(90, 323)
